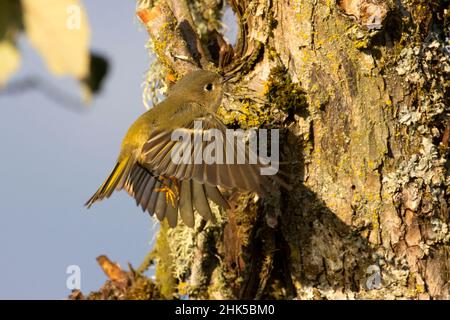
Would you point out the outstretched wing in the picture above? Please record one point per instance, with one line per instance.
(158, 156)
(165, 187)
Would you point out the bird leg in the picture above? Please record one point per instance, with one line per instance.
(171, 193)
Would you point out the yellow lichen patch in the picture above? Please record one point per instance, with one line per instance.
(246, 115)
(183, 288)
(362, 44)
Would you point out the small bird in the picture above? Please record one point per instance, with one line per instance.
(146, 171)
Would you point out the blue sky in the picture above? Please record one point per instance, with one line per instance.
(53, 159)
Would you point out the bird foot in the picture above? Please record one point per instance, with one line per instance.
(171, 193)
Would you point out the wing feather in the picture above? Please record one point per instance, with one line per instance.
(200, 201)
(186, 209)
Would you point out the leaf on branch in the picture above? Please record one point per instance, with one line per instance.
(9, 61)
(59, 31)
(10, 18)
(10, 24)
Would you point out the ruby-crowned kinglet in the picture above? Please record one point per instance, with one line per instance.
(146, 170)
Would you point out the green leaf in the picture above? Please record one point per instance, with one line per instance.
(10, 18)
(10, 24)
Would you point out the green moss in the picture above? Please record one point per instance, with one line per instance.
(283, 93)
(254, 57)
(142, 289)
(272, 23)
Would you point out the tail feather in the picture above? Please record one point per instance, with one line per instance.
(115, 181)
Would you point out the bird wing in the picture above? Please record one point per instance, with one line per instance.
(165, 188)
(157, 156)
(165, 196)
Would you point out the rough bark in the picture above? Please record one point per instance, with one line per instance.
(360, 91)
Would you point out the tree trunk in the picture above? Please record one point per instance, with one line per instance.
(360, 92)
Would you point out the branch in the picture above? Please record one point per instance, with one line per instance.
(176, 44)
(186, 25)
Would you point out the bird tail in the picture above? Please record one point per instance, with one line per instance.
(115, 181)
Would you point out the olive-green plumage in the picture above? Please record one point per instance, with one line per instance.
(144, 168)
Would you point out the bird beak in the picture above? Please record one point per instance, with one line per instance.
(225, 79)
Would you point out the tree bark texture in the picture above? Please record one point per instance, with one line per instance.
(359, 89)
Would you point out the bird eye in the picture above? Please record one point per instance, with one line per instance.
(209, 87)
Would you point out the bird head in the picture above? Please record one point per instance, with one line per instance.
(201, 86)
